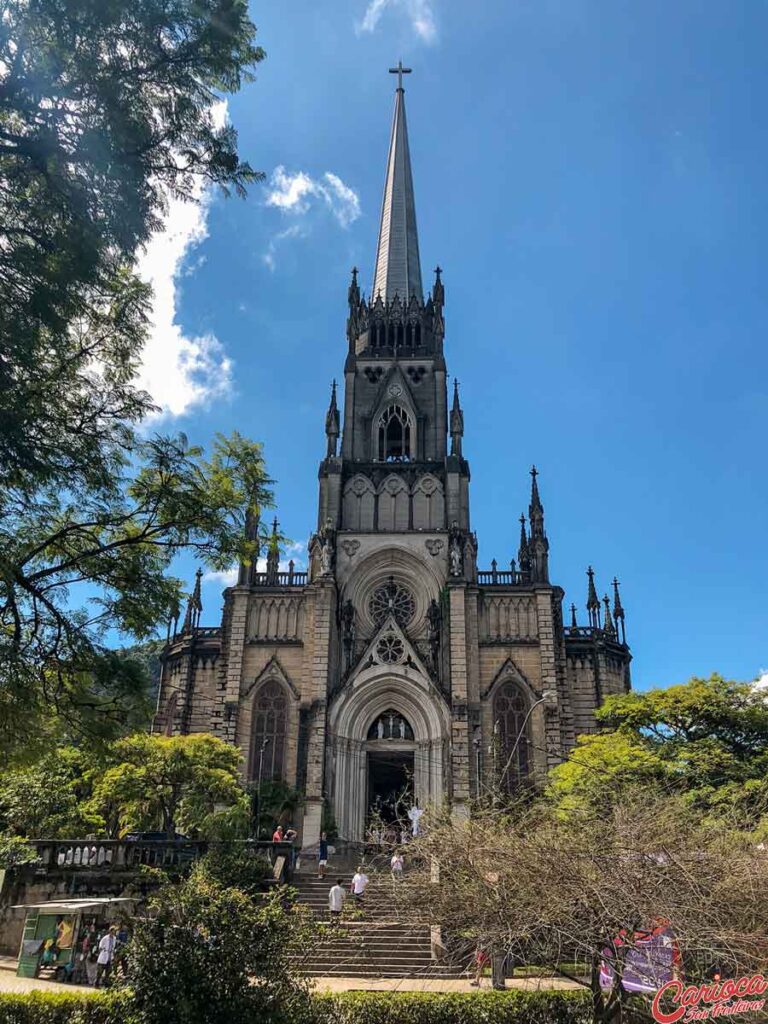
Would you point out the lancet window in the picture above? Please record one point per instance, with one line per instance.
(270, 715)
(511, 736)
(394, 435)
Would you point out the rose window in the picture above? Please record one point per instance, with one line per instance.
(390, 650)
(392, 599)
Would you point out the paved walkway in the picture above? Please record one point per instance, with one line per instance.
(10, 983)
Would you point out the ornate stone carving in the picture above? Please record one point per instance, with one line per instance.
(456, 551)
(434, 546)
(326, 537)
(351, 547)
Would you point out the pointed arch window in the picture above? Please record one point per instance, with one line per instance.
(511, 736)
(394, 435)
(270, 720)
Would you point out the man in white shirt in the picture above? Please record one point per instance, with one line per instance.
(106, 952)
(336, 902)
(359, 882)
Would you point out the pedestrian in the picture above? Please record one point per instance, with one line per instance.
(482, 960)
(396, 864)
(336, 902)
(359, 882)
(106, 953)
(322, 855)
(277, 835)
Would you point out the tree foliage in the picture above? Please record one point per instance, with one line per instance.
(50, 798)
(106, 109)
(706, 739)
(168, 783)
(543, 888)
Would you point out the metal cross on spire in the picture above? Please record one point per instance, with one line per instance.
(400, 71)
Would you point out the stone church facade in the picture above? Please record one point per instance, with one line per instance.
(394, 663)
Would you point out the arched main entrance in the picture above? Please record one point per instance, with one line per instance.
(388, 734)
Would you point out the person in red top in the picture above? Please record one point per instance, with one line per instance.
(277, 836)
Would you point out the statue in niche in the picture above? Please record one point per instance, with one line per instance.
(402, 728)
(326, 538)
(380, 729)
(391, 733)
(456, 551)
(348, 631)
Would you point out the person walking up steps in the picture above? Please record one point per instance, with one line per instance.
(359, 882)
(336, 902)
(322, 855)
(396, 864)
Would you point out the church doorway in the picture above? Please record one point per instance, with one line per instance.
(390, 784)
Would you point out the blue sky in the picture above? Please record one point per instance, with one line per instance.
(591, 177)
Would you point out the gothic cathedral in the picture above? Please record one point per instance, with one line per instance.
(394, 666)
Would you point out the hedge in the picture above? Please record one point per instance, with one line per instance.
(40, 1007)
(511, 1007)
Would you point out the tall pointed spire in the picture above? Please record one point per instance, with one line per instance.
(457, 421)
(273, 555)
(194, 606)
(539, 545)
(332, 425)
(398, 269)
(618, 612)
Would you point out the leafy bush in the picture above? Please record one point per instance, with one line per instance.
(193, 958)
(236, 867)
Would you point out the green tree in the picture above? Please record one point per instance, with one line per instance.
(169, 783)
(197, 954)
(706, 739)
(50, 798)
(119, 542)
(106, 109)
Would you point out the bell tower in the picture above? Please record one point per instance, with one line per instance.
(396, 420)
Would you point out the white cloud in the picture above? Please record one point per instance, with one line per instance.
(180, 372)
(418, 12)
(762, 680)
(293, 193)
(294, 231)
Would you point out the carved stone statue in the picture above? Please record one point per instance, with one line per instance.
(401, 727)
(348, 620)
(433, 616)
(456, 551)
(326, 538)
(455, 559)
(380, 729)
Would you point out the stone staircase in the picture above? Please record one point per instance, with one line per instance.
(372, 940)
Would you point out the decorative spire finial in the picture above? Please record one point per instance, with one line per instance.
(593, 601)
(273, 555)
(573, 617)
(194, 605)
(332, 425)
(457, 421)
(400, 71)
(523, 553)
(618, 612)
(608, 621)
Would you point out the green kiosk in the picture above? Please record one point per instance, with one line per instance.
(53, 933)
